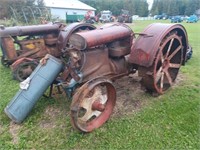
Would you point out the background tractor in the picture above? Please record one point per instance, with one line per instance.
(23, 46)
(125, 17)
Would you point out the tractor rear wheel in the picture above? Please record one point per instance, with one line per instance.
(92, 105)
(24, 70)
(162, 74)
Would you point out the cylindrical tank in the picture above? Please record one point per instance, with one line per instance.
(83, 40)
(25, 99)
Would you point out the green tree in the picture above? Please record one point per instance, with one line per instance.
(17, 9)
(175, 7)
(135, 7)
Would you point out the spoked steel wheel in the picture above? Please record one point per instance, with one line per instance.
(24, 70)
(92, 105)
(159, 77)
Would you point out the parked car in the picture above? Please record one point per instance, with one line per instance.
(158, 17)
(192, 19)
(163, 16)
(176, 19)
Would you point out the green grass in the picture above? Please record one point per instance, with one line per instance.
(170, 121)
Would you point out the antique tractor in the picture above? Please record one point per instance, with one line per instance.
(125, 17)
(94, 58)
(22, 47)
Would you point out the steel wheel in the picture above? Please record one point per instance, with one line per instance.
(159, 77)
(92, 105)
(24, 70)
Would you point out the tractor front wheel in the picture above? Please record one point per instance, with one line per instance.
(92, 105)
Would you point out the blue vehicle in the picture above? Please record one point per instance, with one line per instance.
(192, 19)
(163, 16)
(176, 19)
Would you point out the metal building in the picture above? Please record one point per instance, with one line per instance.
(68, 9)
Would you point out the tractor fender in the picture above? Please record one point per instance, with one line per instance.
(146, 46)
(66, 32)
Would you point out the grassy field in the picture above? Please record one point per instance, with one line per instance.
(170, 121)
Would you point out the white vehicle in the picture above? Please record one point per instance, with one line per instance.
(106, 16)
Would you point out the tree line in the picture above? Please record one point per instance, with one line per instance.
(135, 7)
(140, 7)
(175, 7)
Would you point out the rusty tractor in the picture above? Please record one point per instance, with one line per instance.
(22, 47)
(125, 17)
(93, 59)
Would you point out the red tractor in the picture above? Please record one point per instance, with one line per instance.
(125, 17)
(97, 57)
(23, 46)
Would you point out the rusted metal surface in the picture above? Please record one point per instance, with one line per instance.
(111, 52)
(35, 43)
(29, 30)
(85, 40)
(93, 104)
(103, 66)
(9, 48)
(24, 70)
(19, 61)
(64, 35)
(95, 57)
(144, 51)
(23, 67)
(162, 74)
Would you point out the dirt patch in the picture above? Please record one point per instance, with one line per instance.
(129, 94)
(14, 130)
(179, 80)
(128, 90)
(50, 116)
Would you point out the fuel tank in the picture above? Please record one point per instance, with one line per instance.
(84, 40)
(33, 88)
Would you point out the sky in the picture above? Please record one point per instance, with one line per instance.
(150, 2)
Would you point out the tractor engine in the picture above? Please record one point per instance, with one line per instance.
(101, 52)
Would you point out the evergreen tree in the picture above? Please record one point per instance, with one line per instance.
(175, 7)
(135, 7)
